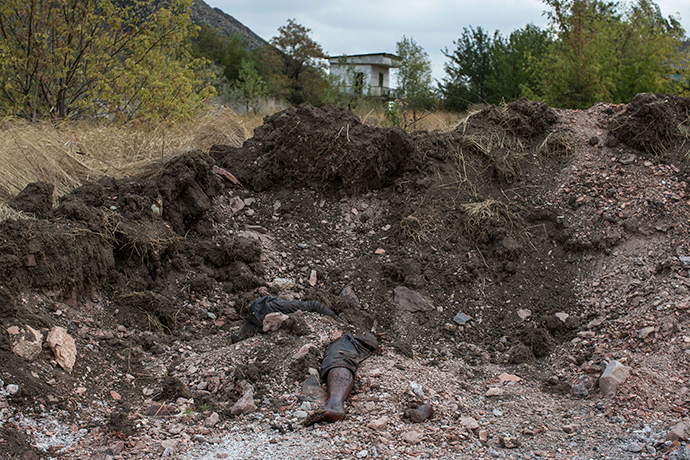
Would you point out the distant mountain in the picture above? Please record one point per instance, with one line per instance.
(225, 24)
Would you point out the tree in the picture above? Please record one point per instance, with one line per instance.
(414, 74)
(250, 88)
(469, 68)
(227, 52)
(302, 63)
(601, 53)
(105, 57)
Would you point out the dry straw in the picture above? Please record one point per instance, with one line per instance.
(70, 154)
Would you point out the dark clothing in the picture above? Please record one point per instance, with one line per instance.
(348, 352)
(269, 304)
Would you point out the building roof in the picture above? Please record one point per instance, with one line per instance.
(381, 59)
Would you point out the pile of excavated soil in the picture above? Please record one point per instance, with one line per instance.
(537, 249)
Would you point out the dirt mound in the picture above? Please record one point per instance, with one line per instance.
(522, 118)
(325, 148)
(653, 123)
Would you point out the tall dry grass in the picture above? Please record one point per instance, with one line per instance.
(68, 154)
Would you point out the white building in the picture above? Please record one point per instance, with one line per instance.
(365, 74)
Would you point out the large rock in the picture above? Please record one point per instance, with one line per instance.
(244, 405)
(63, 347)
(678, 432)
(28, 344)
(410, 301)
(614, 374)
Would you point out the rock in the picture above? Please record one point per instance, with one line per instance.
(571, 428)
(312, 278)
(352, 299)
(679, 432)
(645, 331)
(419, 413)
(28, 343)
(283, 283)
(461, 318)
(524, 313)
(634, 447)
(13, 330)
(493, 392)
(170, 444)
(301, 414)
(363, 454)
(682, 453)
(221, 455)
(244, 405)
(417, 389)
(614, 374)
(413, 437)
(303, 350)
(508, 442)
(379, 424)
(115, 395)
(408, 300)
(579, 390)
(116, 448)
(562, 316)
(483, 435)
(212, 420)
(63, 346)
(505, 377)
(470, 423)
(12, 389)
(273, 321)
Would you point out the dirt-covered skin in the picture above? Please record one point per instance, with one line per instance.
(511, 220)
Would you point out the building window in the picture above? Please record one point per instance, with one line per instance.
(381, 79)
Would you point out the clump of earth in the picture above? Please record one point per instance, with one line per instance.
(537, 239)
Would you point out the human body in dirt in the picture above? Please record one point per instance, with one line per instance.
(338, 372)
(269, 304)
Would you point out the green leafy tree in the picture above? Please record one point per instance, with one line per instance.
(469, 69)
(226, 52)
(414, 74)
(303, 64)
(250, 88)
(105, 57)
(603, 53)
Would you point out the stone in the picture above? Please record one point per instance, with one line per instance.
(645, 331)
(379, 424)
(115, 395)
(63, 347)
(679, 432)
(273, 321)
(283, 283)
(363, 454)
(634, 447)
(408, 300)
(212, 420)
(470, 423)
(493, 392)
(221, 455)
(170, 444)
(562, 316)
(413, 437)
(312, 278)
(12, 389)
(505, 377)
(28, 343)
(419, 413)
(301, 414)
(483, 435)
(244, 405)
(571, 428)
(461, 318)
(508, 442)
(614, 374)
(579, 390)
(13, 330)
(524, 313)
(352, 299)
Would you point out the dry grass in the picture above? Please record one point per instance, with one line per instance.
(69, 154)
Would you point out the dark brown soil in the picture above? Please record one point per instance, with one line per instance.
(128, 266)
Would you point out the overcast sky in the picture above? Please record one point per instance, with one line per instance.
(374, 26)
